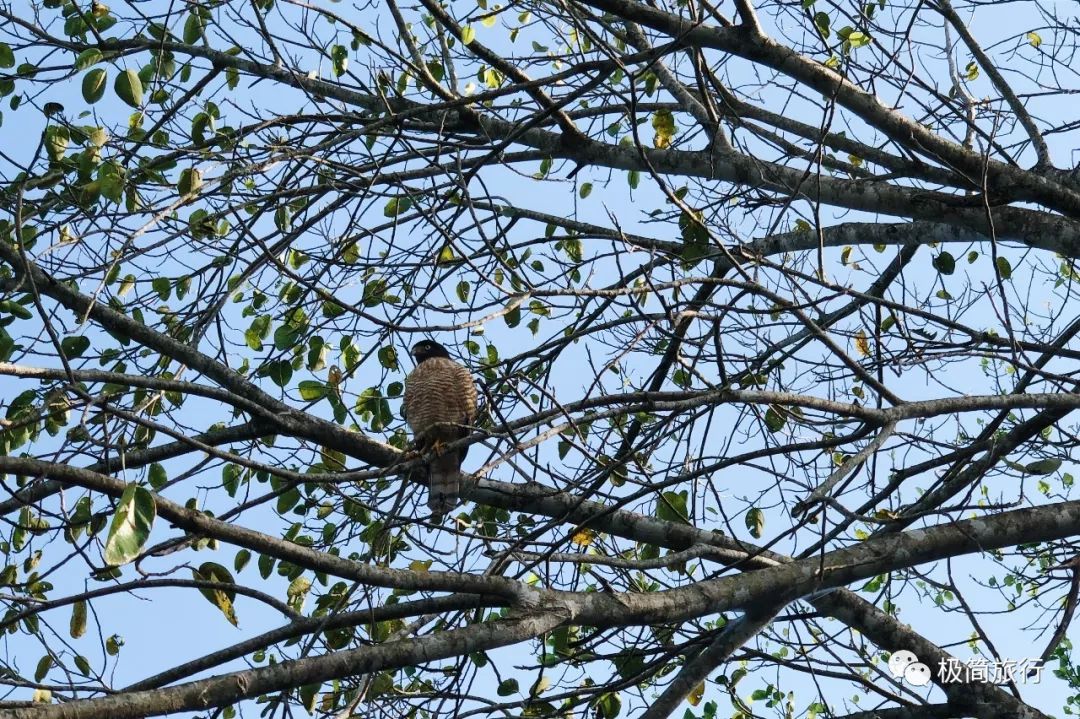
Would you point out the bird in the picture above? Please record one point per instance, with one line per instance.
(439, 407)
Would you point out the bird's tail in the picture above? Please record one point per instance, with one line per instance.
(444, 484)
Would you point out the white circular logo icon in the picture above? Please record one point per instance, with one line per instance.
(917, 674)
(900, 661)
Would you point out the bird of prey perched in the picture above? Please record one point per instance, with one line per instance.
(440, 407)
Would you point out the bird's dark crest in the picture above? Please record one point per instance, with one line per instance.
(427, 349)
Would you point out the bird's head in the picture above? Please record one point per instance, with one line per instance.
(426, 349)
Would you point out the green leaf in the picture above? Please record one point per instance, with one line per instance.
(671, 507)
(340, 56)
(280, 372)
(821, 21)
(944, 263)
(351, 253)
(193, 28)
(7, 57)
(287, 337)
(755, 522)
(287, 500)
(396, 206)
(220, 598)
(312, 390)
(310, 692)
(77, 625)
(128, 87)
(158, 476)
(257, 332)
(266, 565)
(14, 308)
(774, 420)
(507, 687)
(241, 560)
(436, 69)
(633, 178)
(609, 705)
(88, 58)
(74, 347)
(162, 287)
(43, 666)
(513, 316)
(283, 218)
(331, 310)
(1004, 268)
(388, 357)
(1043, 466)
(585, 191)
(190, 182)
(230, 478)
(316, 355)
(131, 525)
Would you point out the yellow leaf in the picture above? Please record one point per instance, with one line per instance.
(420, 565)
(468, 34)
(695, 696)
(583, 537)
(42, 696)
(862, 344)
(1034, 39)
(663, 123)
(297, 593)
(222, 599)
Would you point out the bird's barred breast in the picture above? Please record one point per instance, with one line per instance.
(439, 390)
